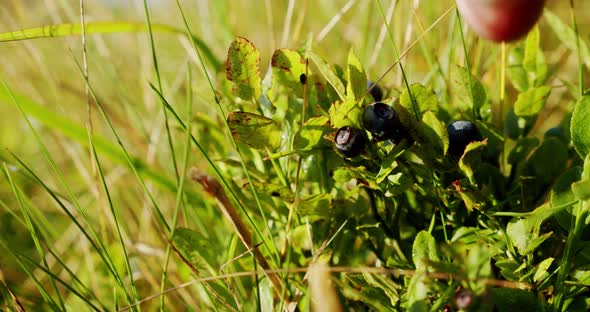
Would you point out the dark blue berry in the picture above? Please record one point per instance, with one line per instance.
(302, 79)
(350, 141)
(375, 91)
(556, 132)
(382, 121)
(461, 133)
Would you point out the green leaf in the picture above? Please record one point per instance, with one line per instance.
(243, 69)
(315, 205)
(470, 158)
(562, 194)
(508, 300)
(424, 251)
(191, 244)
(515, 70)
(519, 234)
(417, 295)
(329, 75)
(287, 67)
(523, 148)
(312, 133)
(435, 132)
(388, 164)
(425, 98)
(299, 238)
(534, 59)
(532, 101)
(357, 78)
(256, 131)
(397, 184)
(535, 243)
(567, 36)
(541, 273)
(582, 276)
(581, 189)
(384, 283)
(580, 131)
(460, 84)
(347, 113)
(549, 160)
(274, 190)
(266, 295)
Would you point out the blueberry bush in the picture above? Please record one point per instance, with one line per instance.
(300, 180)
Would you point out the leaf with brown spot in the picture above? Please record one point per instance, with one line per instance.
(288, 68)
(256, 131)
(243, 69)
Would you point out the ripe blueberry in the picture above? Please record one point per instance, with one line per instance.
(382, 121)
(302, 79)
(375, 91)
(461, 133)
(350, 141)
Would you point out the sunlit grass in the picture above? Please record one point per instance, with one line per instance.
(87, 218)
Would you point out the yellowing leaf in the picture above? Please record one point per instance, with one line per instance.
(243, 69)
(254, 130)
(288, 68)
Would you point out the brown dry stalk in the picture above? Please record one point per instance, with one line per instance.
(214, 188)
(16, 304)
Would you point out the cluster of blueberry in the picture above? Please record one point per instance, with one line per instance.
(382, 121)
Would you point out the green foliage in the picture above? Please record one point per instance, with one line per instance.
(580, 131)
(532, 101)
(404, 226)
(469, 90)
(424, 97)
(254, 130)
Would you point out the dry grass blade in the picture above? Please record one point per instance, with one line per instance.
(16, 304)
(214, 188)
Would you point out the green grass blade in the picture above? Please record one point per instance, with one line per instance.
(114, 214)
(130, 160)
(32, 229)
(218, 174)
(397, 56)
(78, 133)
(87, 292)
(69, 191)
(97, 245)
(29, 272)
(475, 110)
(75, 29)
(180, 193)
(62, 282)
(159, 79)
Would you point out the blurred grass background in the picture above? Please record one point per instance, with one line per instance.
(120, 67)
